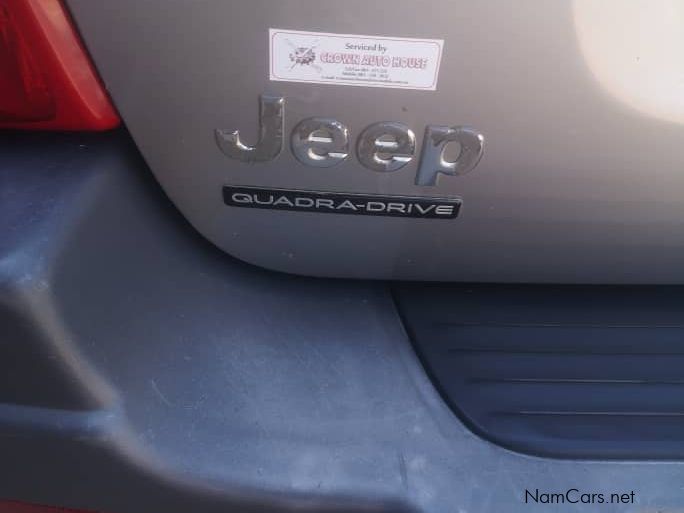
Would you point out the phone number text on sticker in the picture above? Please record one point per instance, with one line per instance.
(345, 59)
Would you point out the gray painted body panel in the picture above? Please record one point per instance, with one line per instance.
(575, 185)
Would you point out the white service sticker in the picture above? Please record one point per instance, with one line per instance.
(345, 59)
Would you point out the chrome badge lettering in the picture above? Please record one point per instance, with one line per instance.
(271, 128)
(383, 147)
(433, 162)
(386, 146)
(320, 142)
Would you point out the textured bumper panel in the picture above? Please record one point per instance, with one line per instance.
(202, 384)
(564, 371)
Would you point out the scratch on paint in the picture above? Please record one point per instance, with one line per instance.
(161, 396)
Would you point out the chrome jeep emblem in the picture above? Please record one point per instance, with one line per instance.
(320, 142)
(382, 147)
(386, 146)
(271, 128)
